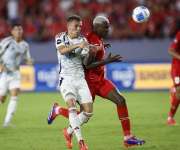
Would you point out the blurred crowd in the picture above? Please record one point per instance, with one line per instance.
(42, 19)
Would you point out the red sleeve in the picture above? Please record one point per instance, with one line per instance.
(176, 42)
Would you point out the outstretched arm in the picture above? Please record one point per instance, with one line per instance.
(173, 53)
(109, 59)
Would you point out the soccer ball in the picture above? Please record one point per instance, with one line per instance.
(140, 14)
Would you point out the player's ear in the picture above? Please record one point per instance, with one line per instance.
(11, 32)
(68, 24)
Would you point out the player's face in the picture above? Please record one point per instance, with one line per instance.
(74, 28)
(103, 29)
(17, 32)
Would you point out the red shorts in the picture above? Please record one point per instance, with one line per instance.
(100, 88)
(175, 74)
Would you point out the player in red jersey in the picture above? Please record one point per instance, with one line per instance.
(99, 85)
(174, 51)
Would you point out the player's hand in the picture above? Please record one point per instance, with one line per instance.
(29, 62)
(1, 68)
(107, 45)
(113, 58)
(83, 44)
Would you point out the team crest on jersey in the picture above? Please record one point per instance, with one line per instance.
(58, 41)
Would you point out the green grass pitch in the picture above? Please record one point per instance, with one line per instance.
(148, 111)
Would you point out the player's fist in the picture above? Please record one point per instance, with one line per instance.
(107, 45)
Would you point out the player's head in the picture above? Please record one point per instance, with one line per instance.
(17, 31)
(101, 26)
(74, 24)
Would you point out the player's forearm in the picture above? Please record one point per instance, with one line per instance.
(88, 59)
(66, 49)
(96, 64)
(174, 54)
(1, 51)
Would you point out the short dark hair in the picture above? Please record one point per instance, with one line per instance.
(15, 23)
(74, 17)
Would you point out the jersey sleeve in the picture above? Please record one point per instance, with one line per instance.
(176, 42)
(4, 44)
(60, 40)
(27, 55)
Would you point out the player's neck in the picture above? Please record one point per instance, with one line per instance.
(71, 36)
(17, 39)
(94, 31)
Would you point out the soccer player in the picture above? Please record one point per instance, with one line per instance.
(72, 50)
(174, 51)
(13, 50)
(99, 85)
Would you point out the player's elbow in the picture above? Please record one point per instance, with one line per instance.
(62, 50)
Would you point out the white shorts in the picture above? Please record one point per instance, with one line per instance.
(9, 81)
(76, 88)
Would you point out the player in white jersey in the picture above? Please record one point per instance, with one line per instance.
(72, 51)
(13, 50)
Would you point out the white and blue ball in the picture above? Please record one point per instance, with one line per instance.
(140, 14)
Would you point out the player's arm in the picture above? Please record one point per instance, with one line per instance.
(1, 67)
(29, 61)
(64, 49)
(107, 45)
(109, 59)
(27, 57)
(3, 46)
(174, 48)
(90, 60)
(0, 55)
(61, 46)
(174, 53)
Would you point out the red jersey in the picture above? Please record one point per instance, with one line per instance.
(98, 85)
(96, 74)
(175, 45)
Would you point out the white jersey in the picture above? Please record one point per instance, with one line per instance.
(13, 53)
(70, 63)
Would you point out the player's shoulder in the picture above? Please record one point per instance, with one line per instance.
(6, 39)
(60, 35)
(24, 42)
(178, 34)
(93, 37)
(177, 38)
